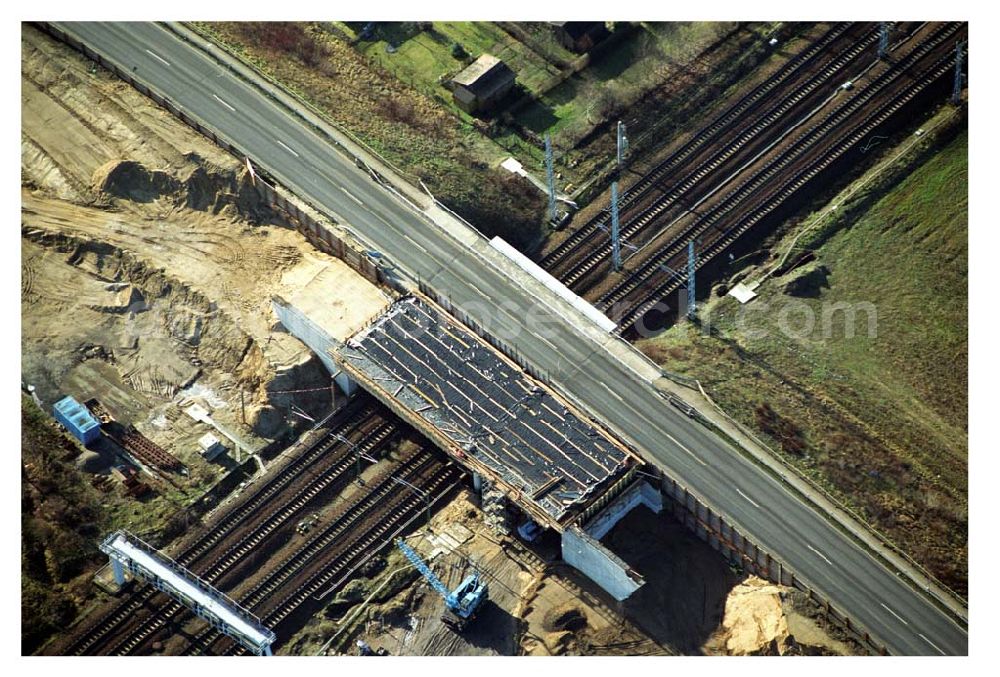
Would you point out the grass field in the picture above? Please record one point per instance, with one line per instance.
(424, 59)
(617, 77)
(879, 419)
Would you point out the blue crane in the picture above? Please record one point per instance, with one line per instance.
(463, 602)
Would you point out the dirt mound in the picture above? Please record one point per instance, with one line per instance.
(808, 281)
(131, 180)
(91, 461)
(560, 643)
(763, 619)
(214, 189)
(754, 622)
(198, 186)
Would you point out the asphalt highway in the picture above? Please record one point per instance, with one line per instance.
(757, 503)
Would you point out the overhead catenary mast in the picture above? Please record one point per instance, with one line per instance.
(691, 305)
(616, 249)
(956, 92)
(551, 176)
(622, 146)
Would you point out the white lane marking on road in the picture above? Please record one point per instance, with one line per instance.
(548, 342)
(820, 554)
(670, 437)
(351, 195)
(158, 58)
(410, 240)
(479, 291)
(755, 504)
(936, 647)
(216, 96)
(674, 440)
(287, 148)
(894, 614)
(613, 393)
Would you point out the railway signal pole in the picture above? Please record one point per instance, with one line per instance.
(956, 92)
(551, 176)
(883, 39)
(692, 308)
(622, 147)
(616, 249)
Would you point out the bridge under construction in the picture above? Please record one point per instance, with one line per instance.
(550, 460)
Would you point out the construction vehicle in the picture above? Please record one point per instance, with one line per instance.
(461, 604)
(529, 531)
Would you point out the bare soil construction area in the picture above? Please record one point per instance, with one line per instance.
(145, 248)
(148, 264)
(692, 603)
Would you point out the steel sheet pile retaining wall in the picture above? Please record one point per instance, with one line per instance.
(721, 536)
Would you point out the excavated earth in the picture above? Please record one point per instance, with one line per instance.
(149, 262)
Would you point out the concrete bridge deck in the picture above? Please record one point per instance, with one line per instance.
(482, 409)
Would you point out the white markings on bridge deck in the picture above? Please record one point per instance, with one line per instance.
(158, 58)
(549, 344)
(936, 647)
(351, 195)
(478, 290)
(287, 148)
(414, 243)
(216, 97)
(752, 502)
(820, 554)
(613, 393)
(902, 620)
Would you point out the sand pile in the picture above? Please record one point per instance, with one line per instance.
(754, 621)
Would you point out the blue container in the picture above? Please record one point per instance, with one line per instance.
(77, 419)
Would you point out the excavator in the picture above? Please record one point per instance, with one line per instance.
(461, 604)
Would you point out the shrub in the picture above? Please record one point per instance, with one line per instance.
(285, 36)
(780, 428)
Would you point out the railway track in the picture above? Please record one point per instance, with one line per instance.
(280, 516)
(243, 514)
(722, 160)
(731, 117)
(771, 183)
(788, 189)
(359, 530)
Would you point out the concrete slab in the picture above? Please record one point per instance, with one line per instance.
(744, 293)
(332, 295)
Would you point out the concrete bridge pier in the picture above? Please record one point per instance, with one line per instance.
(118, 571)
